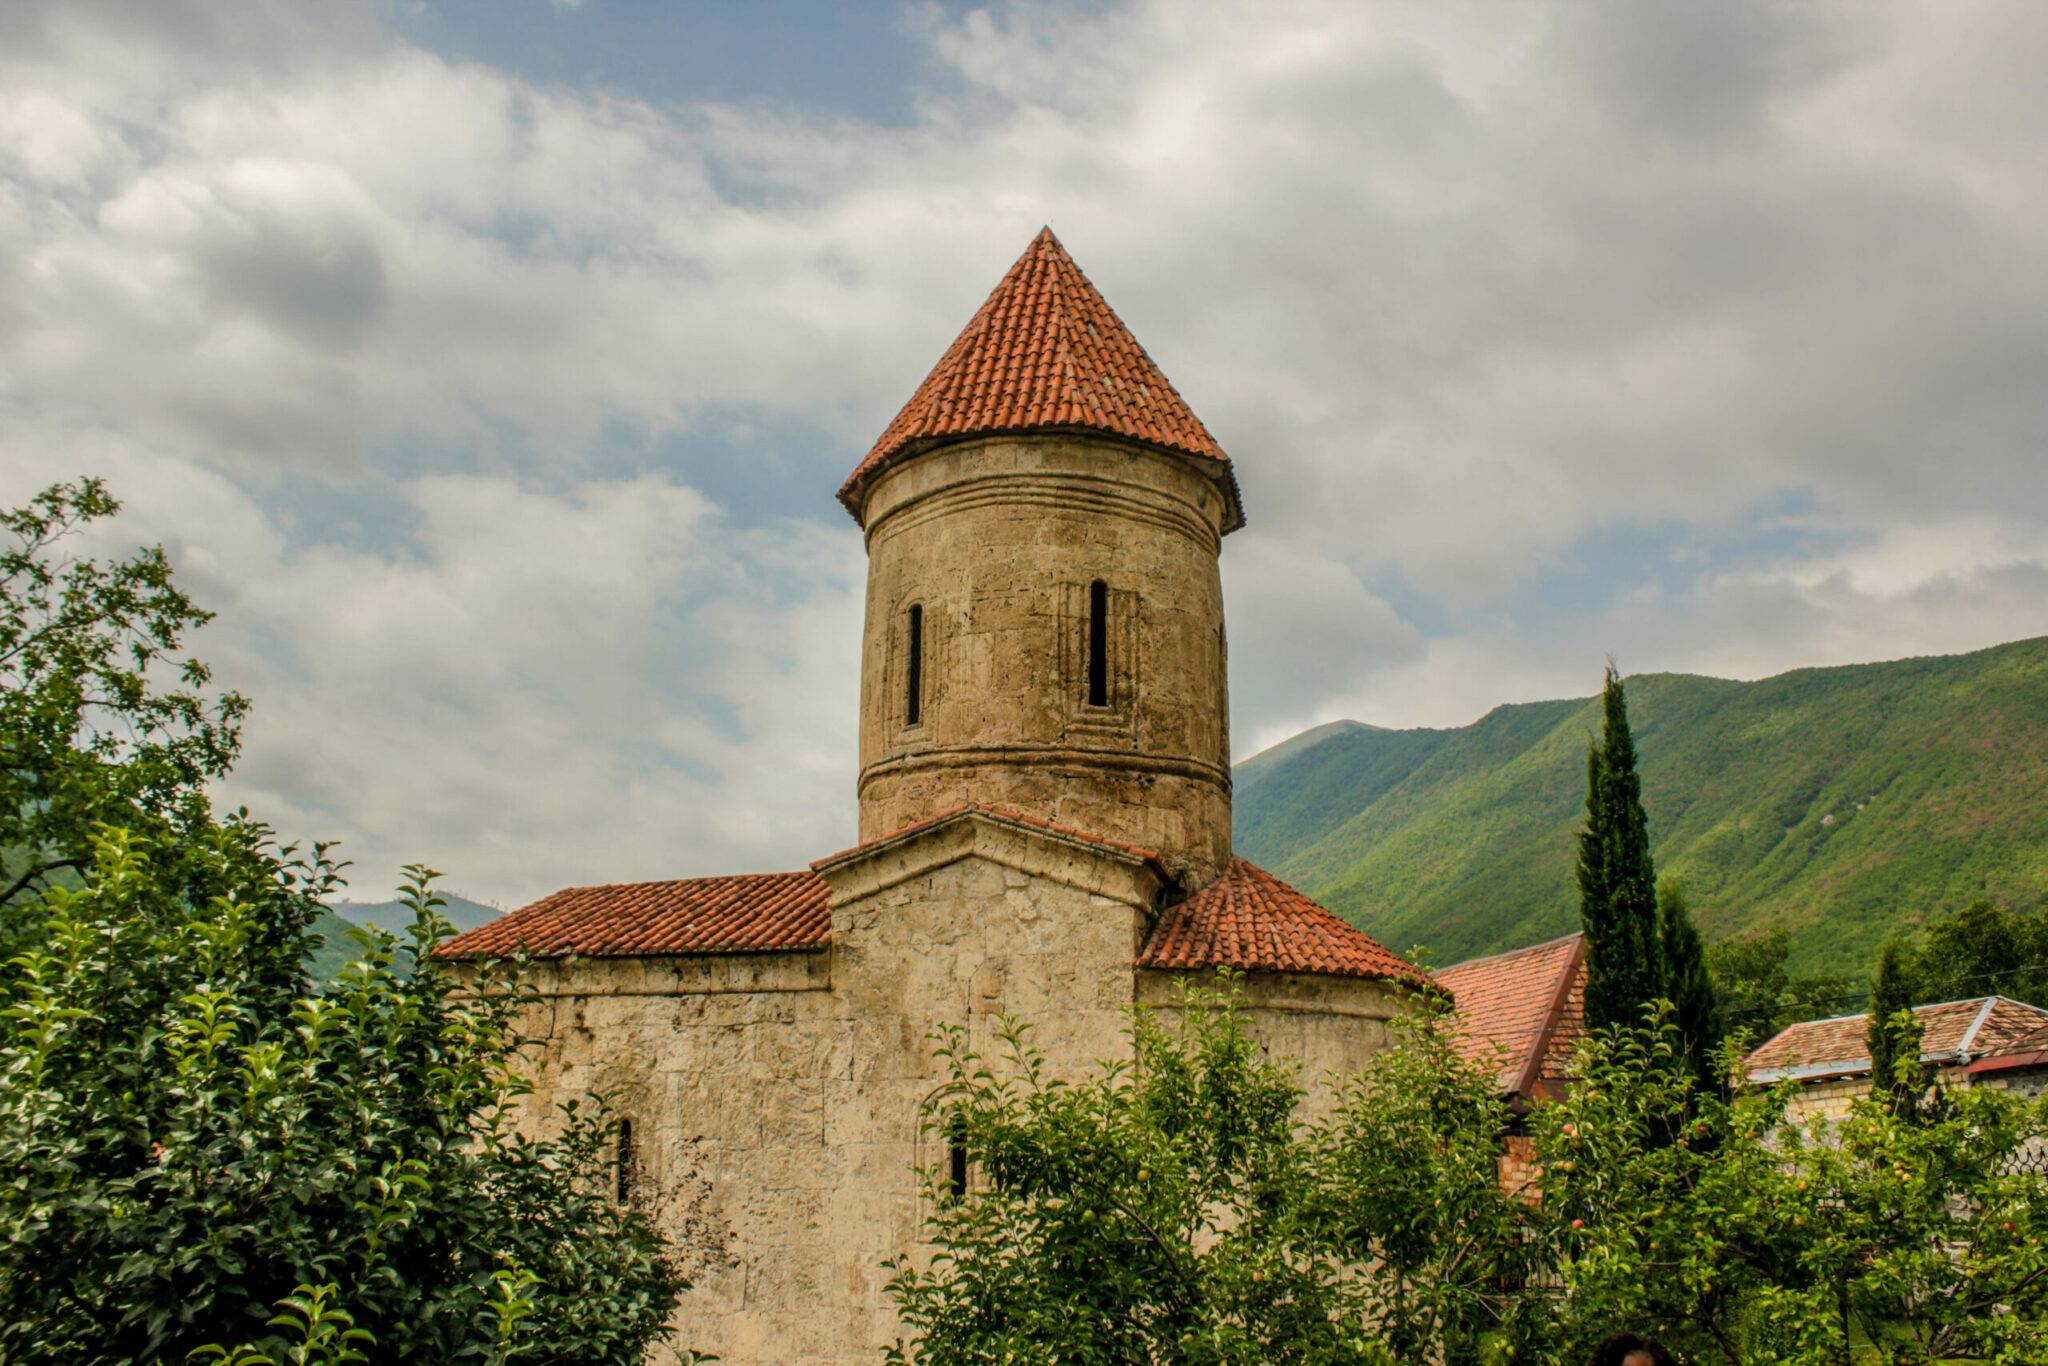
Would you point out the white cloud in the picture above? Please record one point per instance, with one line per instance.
(1458, 285)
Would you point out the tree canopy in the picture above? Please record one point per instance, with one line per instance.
(1982, 950)
(1641, 944)
(103, 717)
(1180, 1207)
(205, 1157)
(1687, 983)
(1172, 1208)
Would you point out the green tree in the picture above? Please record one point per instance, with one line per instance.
(183, 1158)
(1749, 973)
(1894, 1031)
(1173, 1209)
(1407, 1182)
(201, 1158)
(1687, 984)
(1984, 950)
(1617, 881)
(1759, 996)
(1151, 1212)
(103, 718)
(1759, 1237)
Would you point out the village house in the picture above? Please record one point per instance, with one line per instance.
(1523, 1012)
(1985, 1041)
(1044, 807)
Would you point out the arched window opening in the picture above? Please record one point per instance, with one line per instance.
(1098, 644)
(956, 1157)
(913, 702)
(625, 1172)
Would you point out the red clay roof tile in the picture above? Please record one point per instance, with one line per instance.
(752, 913)
(1953, 1032)
(1525, 1008)
(1247, 919)
(755, 913)
(1250, 920)
(1045, 350)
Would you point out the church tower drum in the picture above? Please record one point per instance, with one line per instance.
(1044, 611)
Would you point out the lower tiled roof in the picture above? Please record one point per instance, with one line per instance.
(1953, 1032)
(1247, 919)
(1524, 1009)
(1250, 920)
(753, 913)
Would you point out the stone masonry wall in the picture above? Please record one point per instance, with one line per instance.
(1325, 1026)
(725, 1065)
(1833, 1096)
(775, 1098)
(997, 541)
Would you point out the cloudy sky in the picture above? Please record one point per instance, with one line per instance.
(489, 365)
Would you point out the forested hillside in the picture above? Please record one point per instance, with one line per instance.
(337, 947)
(1839, 803)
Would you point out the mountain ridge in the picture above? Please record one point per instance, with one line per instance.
(338, 947)
(1843, 802)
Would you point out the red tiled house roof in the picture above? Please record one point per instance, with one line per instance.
(1955, 1033)
(1247, 919)
(2024, 1050)
(753, 913)
(1250, 920)
(1525, 1009)
(1045, 352)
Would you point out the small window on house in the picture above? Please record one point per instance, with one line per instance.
(956, 1158)
(625, 1173)
(913, 701)
(1098, 644)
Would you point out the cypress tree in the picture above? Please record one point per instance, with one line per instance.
(1891, 1045)
(1617, 884)
(1687, 983)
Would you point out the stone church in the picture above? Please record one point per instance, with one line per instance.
(1044, 831)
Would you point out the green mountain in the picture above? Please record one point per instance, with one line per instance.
(338, 947)
(325, 963)
(1840, 803)
(461, 912)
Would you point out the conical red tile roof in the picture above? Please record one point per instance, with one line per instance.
(1045, 351)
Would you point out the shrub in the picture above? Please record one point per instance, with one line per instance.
(189, 1165)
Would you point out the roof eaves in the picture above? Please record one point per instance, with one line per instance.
(1812, 1071)
(1532, 1066)
(2009, 1062)
(853, 492)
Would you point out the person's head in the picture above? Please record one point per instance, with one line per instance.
(1631, 1349)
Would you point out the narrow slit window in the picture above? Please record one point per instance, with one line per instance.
(913, 700)
(1098, 644)
(625, 1168)
(956, 1158)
